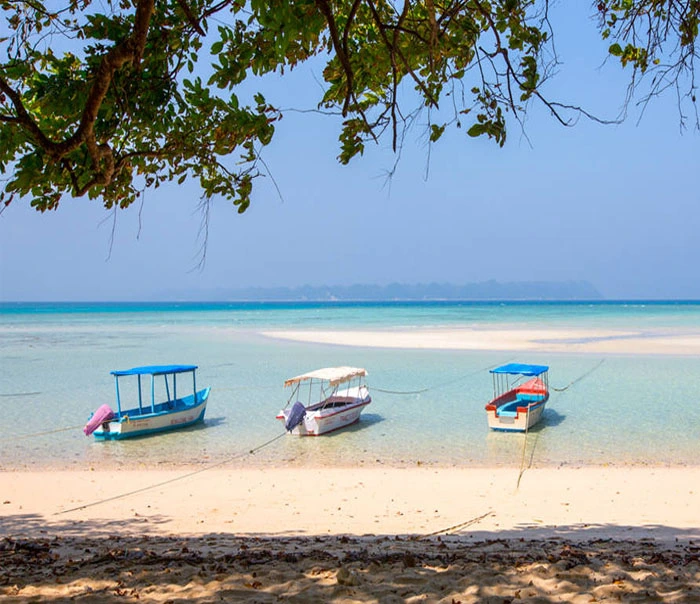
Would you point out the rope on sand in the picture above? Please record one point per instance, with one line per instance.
(522, 457)
(532, 454)
(455, 527)
(175, 479)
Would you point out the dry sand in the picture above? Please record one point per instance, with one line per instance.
(352, 535)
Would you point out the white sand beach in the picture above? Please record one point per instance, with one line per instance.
(658, 502)
(352, 535)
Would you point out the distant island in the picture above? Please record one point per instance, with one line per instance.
(485, 290)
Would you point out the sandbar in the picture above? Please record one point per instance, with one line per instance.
(595, 341)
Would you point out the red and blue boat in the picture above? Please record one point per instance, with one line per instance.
(520, 393)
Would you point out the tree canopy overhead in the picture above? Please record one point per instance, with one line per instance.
(108, 98)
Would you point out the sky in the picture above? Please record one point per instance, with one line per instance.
(614, 205)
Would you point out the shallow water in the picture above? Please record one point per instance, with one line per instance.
(626, 409)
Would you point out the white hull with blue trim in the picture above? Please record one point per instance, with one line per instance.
(173, 412)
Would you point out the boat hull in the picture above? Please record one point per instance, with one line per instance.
(511, 413)
(175, 415)
(344, 410)
(316, 423)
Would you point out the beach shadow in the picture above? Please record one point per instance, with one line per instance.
(37, 526)
(96, 561)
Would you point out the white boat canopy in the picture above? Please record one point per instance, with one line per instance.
(334, 375)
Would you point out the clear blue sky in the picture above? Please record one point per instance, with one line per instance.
(617, 206)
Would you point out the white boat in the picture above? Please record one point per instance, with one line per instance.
(171, 413)
(517, 406)
(334, 398)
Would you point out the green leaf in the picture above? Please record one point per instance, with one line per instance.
(436, 132)
(615, 50)
(476, 130)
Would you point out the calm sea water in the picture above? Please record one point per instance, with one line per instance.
(56, 360)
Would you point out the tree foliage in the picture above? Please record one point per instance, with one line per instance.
(108, 99)
(656, 38)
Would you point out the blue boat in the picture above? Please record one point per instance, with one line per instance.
(170, 413)
(516, 406)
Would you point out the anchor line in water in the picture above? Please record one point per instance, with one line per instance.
(578, 379)
(21, 436)
(374, 389)
(171, 480)
(441, 385)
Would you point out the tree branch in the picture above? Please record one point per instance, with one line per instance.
(327, 12)
(192, 20)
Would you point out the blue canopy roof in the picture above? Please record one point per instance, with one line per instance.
(521, 369)
(156, 370)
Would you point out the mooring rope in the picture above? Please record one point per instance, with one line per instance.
(21, 436)
(532, 453)
(171, 480)
(578, 379)
(440, 385)
(455, 527)
(375, 389)
(522, 457)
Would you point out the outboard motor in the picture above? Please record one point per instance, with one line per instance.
(103, 414)
(296, 416)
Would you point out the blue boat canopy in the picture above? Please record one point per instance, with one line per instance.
(156, 370)
(521, 369)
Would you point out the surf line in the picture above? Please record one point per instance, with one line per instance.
(171, 480)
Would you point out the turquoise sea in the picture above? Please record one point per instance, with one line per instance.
(428, 405)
